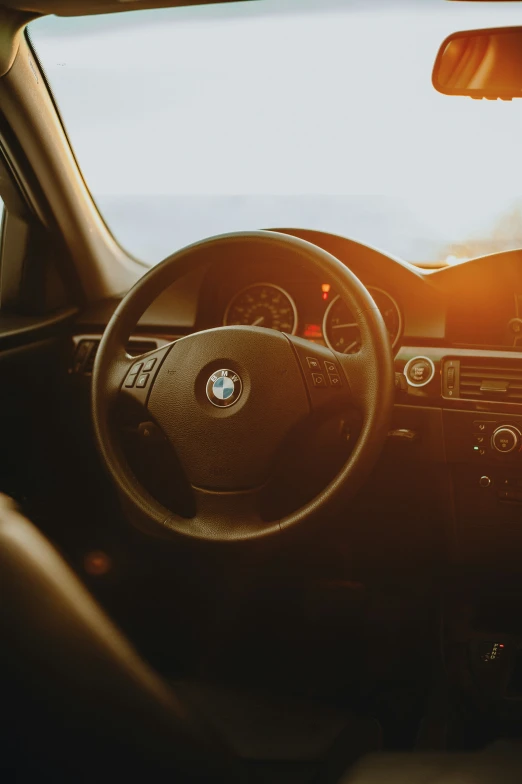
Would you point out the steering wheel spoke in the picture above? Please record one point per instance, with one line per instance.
(235, 513)
(139, 373)
(322, 373)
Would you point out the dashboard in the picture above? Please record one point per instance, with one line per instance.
(283, 294)
(456, 334)
(476, 305)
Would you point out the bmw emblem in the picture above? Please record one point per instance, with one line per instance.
(224, 388)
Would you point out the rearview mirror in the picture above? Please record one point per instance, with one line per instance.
(481, 64)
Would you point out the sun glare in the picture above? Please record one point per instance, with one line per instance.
(266, 108)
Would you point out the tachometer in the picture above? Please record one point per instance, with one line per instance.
(263, 305)
(340, 328)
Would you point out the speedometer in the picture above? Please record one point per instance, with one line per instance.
(263, 305)
(340, 327)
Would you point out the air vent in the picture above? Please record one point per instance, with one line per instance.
(492, 379)
(86, 349)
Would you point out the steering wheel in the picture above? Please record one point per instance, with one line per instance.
(227, 398)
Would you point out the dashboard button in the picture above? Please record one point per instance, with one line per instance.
(335, 380)
(313, 363)
(136, 368)
(131, 380)
(142, 382)
(483, 426)
(318, 379)
(330, 367)
(419, 371)
(505, 439)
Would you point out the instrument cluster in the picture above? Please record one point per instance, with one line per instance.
(310, 310)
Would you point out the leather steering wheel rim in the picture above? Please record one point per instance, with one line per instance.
(367, 382)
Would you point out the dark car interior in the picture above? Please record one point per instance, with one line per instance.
(262, 505)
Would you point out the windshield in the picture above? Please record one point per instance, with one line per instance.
(189, 122)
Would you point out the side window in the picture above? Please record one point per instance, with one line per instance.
(21, 247)
(14, 232)
(31, 282)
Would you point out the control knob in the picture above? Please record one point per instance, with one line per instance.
(506, 439)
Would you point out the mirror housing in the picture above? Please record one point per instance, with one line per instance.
(481, 64)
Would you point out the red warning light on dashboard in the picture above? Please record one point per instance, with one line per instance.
(325, 288)
(313, 332)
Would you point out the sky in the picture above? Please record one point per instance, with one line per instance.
(319, 113)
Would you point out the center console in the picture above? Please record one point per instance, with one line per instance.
(478, 395)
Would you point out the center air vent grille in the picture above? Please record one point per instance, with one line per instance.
(490, 380)
(85, 352)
